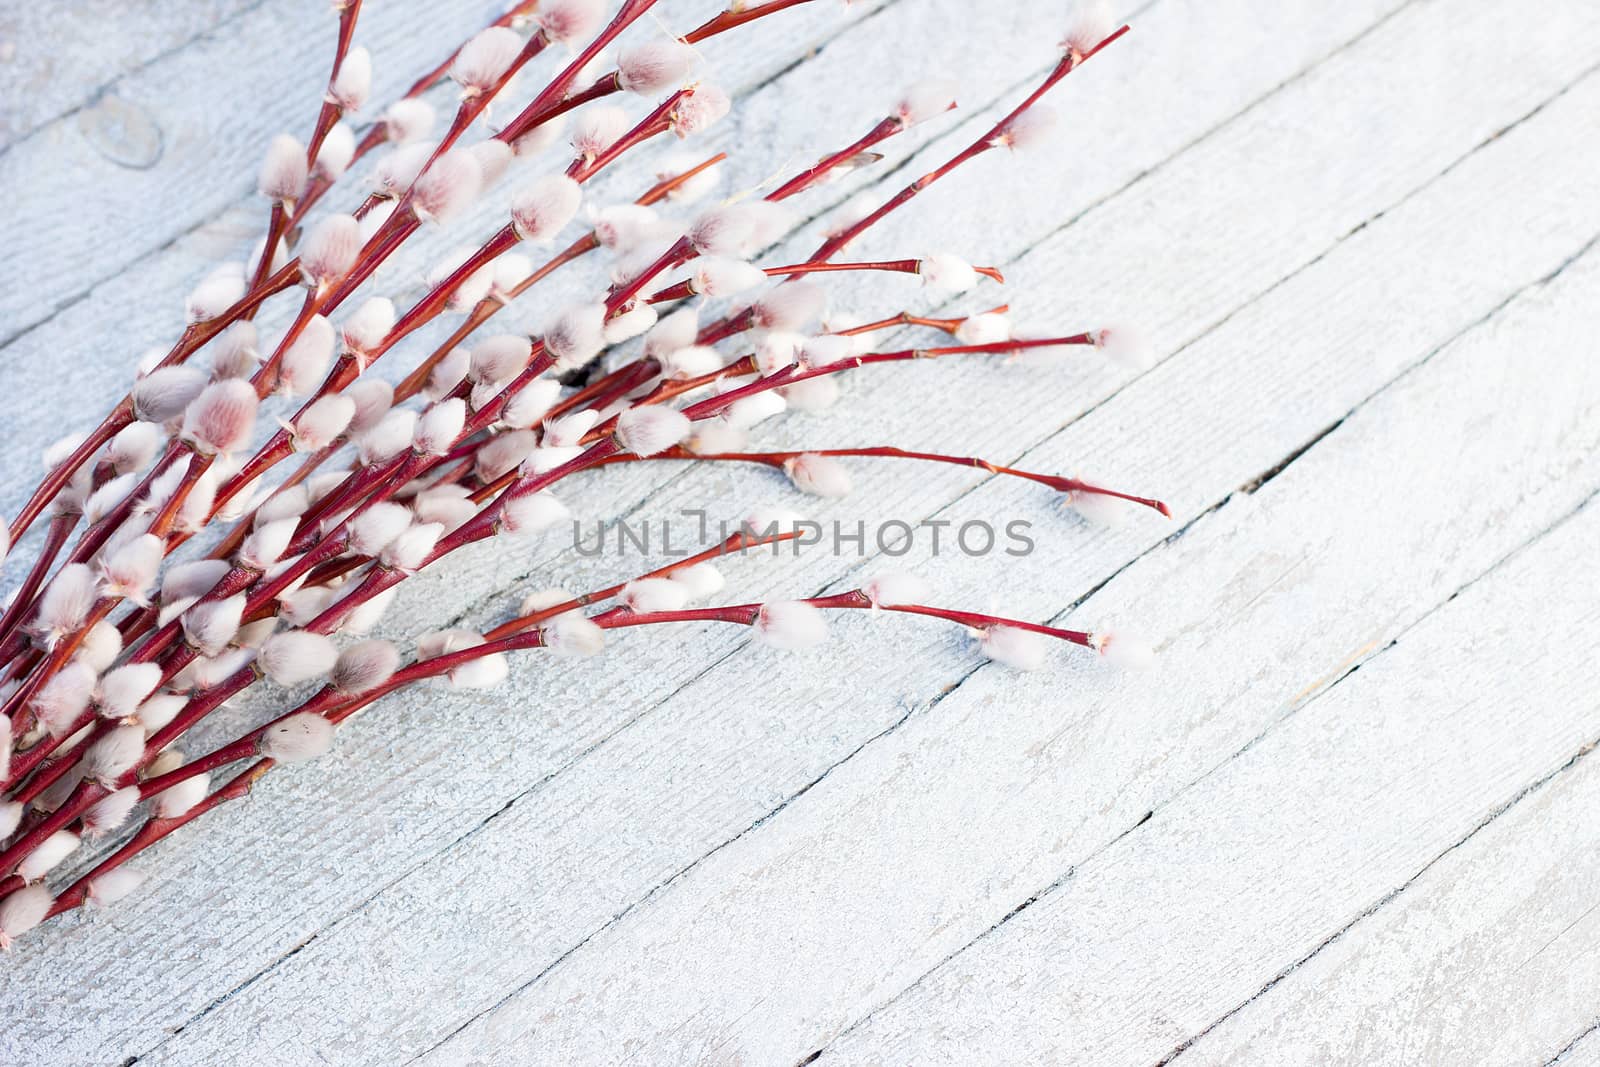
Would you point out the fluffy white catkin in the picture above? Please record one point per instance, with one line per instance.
(300, 737)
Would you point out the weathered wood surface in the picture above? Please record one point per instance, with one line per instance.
(1359, 235)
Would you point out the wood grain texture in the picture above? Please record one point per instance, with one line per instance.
(693, 851)
(56, 66)
(168, 159)
(1329, 828)
(922, 841)
(1423, 979)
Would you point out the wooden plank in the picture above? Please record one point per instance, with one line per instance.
(199, 160)
(743, 762)
(1491, 955)
(1273, 823)
(1363, 791)
(56, 62)
(206, 155)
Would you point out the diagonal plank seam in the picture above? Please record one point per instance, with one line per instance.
(909, 711)
(422, 861)
(1077, 602)
(1149, 816)
(1534, 787)
(1570, 1045)
(1250, 487)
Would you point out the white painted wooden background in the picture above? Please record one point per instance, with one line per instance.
(1352, 816)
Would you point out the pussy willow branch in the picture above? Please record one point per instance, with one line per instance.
(525, 637)
(345, 370)
(604, 446)
(365, 487)
(327, 702)
(781, 458)
(279, 447)
(88, 793)
(485, 523)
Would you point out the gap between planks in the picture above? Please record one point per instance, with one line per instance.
(958, 133)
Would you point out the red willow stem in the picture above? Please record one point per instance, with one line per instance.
(429, 668)
(11, 622)
(431, 305)
(154, 830)
(906, 318)
(650, 126)
(390, 236)
(979, 621)
(603, 391)
(474, 105)
(884, 130)
(283, 214)
(58, 656)
(799, 372)
(901, 266)
(538, 110)
(680, 252)
(737, 542)
(97, 535)
(552, 105)
(734, 324)
(738, 14)
(161, 525)
(685, 288)
(92, 539)
(855, 599)
(325, 701)
(376, 134)
(52, 484)
(278, 223)
(1070, 62)
(481, 526)
(23, 763)
(517, 11)
(486, 309)
(795, 372)
(779, 459)
(196, 335)
(522, 633)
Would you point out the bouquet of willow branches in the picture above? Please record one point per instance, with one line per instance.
(115, 643)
